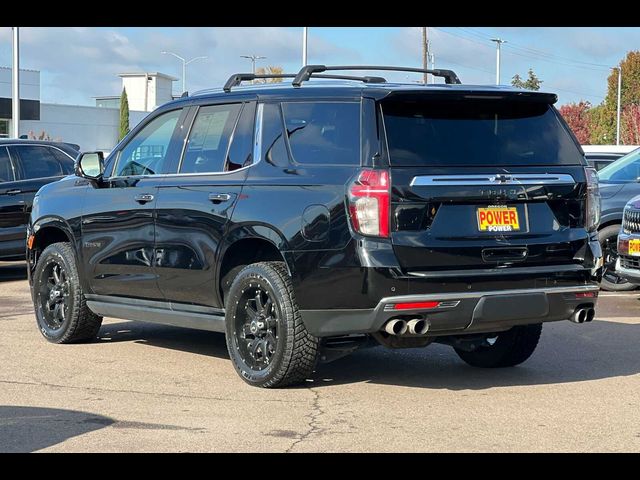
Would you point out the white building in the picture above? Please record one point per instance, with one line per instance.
(145, 91)
(91, 127)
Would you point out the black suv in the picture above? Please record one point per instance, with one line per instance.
(25, 166)
(307, 219)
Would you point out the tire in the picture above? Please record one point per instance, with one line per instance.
(608, 238)
(73, 322)
(268, 344)
(510, 348)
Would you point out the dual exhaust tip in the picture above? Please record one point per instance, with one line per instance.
(582, 315)
(415, 326)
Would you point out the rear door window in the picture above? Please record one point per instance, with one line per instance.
(323, 133)
(37, 162)
(470, 132)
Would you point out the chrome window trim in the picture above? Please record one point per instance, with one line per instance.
(493, 179)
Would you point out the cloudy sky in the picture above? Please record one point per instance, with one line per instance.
(79, 63)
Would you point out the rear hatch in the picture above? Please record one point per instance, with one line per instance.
(483, 182)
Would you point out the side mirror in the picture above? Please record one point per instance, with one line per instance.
(90, 165)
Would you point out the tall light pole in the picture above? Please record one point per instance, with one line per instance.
(184, 66)
(433, 66)
(15, 114)
(618, 112)
(425, 52)
(498, 43)
(305, 32)
(253, 59)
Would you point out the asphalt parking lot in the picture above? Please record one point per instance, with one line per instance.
(143, 387)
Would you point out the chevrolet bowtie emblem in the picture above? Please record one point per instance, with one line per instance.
(501, 178)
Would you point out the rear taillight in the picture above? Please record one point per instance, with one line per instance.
(368, 197)
(592, 214)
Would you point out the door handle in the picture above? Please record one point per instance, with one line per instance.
(143, 198)
(14, 191)
(219, 197)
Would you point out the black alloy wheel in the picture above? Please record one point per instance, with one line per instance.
(256, 327)
(53, 295)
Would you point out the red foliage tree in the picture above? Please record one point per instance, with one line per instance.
(576, 115)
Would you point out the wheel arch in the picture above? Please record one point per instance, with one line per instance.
(246, 245)
(46, 231)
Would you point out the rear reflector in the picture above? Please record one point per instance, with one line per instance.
(586, 295)
(415, 305)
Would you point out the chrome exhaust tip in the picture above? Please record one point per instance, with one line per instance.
(418, 326)
(591, 313)
(579, 316)
(396, 326)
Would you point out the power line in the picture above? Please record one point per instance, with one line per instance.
(537, 54)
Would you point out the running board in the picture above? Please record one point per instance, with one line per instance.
(163, 316)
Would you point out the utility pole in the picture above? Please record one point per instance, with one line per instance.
(425, 52)
(618, 112)
(15, 110)
(184, 66)
(305, 32)
(498, 43)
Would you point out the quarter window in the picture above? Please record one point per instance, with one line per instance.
(209, 139)
(324, 133)
(147, 152)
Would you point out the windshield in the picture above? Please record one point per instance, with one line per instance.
(445, 132)
(624, 170)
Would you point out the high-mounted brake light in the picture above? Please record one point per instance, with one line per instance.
(368, 197)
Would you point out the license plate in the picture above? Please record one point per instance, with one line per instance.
(634, 247)
(498, 219)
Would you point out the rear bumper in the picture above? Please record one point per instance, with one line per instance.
(460, 312)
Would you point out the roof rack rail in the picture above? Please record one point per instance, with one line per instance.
(237, 78)
(305, 72)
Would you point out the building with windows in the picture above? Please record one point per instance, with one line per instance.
(91, 127)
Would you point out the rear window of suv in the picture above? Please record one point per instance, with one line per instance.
(469, 132)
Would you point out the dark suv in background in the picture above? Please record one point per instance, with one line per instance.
(25, 166)
(307, 219)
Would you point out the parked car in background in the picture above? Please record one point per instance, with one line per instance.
(628, 261)
(599, 156)
(25, 166)
(619, 182)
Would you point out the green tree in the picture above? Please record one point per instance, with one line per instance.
(531, 83)
(124, 114)
(629, 95)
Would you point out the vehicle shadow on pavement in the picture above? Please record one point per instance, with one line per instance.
(566, 353)
(27, 429)
(188, 340)
(13, 271)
